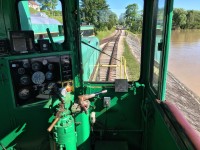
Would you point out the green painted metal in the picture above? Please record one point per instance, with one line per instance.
(87, 27)
(25, 19)
(83, 131)
(89, 56)
(64, 133)
(132, 117)
(166, 48)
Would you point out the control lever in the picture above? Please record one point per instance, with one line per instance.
(58, 116)
(83, 98)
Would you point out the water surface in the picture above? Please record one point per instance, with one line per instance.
(184, 58)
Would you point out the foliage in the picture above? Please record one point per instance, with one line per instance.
(186, 19)
(133, 18)
(180, 18)
(103, 34)
(48, 5)
(122, 19)
(132, 63)
(33, 11)
(97, 12)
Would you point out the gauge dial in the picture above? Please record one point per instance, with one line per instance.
(25, 80)
(21, 71)
(36, 66)
(26, 65)
(24, 94)
(50, 67)
(49, 75)
(38, 77)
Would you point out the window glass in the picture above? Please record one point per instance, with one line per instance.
(40, 15)
(114, 49)
(158, 42)
(183, 82)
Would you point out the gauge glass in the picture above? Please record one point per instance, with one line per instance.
(25, 80)
(24, 93)
(26, 65)
(49, 75)
(38, 77)
(36, 66)
(50, 66)
(21, 71)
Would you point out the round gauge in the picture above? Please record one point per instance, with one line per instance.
(24, 94)
(49, 75)
(38, 77)
(21, 71)
(26, 65)
(50, 66)
(36, 66)
(44, 62)
(25, 80)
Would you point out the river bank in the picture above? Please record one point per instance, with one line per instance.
(178, 93)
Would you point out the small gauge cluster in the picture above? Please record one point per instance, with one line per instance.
(30, 77)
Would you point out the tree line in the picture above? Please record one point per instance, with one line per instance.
(132, 18)
(97, 13)
(186, 19)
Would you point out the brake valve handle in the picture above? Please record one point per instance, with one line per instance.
(83, 98)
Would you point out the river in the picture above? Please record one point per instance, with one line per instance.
(184, 58)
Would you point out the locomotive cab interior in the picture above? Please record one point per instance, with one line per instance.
(47, 101)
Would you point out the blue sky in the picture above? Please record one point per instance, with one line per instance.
(118, 6)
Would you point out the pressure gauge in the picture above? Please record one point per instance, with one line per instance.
(21, 71)
(36, 66)
(26, 65)
(50, 67)
(38, 77)
(24, 93)
(49, 75)
(25, 80)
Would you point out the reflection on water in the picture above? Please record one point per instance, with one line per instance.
(184, 59)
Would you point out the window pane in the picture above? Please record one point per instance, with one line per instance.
(158, 42)
(113, 50)
(183, 82)
(38, 16)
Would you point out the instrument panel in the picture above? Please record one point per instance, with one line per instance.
(32, 76)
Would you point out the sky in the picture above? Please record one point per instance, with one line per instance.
(118, 6)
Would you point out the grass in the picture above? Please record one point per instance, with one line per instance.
(103, 34)
(132, 64)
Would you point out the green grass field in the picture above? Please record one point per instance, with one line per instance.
(132, 64)
(103, 34)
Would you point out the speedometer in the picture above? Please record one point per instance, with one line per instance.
(38, 77)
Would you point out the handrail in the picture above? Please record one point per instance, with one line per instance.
(192, 134)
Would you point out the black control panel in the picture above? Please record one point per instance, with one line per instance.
(32, 77)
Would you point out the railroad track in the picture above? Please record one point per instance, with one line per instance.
(108, 59)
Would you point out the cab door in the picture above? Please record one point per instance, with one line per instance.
(162, 23)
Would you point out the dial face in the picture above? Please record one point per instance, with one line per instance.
(49, 75)
(50, 66)
(21, 71)
(38, 77)
(25, 80)
(26, 65)
(24, 93)
(36, 66)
